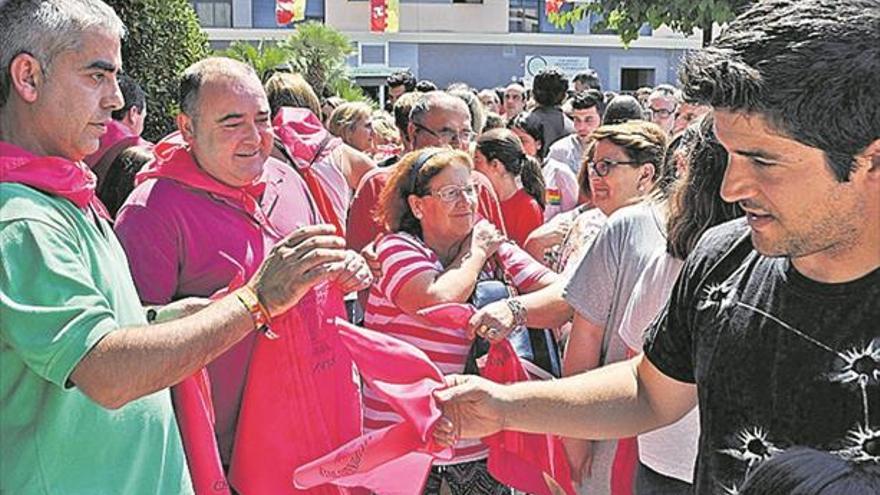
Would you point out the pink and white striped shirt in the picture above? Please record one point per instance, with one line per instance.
(403, 257)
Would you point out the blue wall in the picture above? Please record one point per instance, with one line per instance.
(484, 66)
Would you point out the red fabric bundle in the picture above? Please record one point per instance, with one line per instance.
(397, 459)
(300, 398)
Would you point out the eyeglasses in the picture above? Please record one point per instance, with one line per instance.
(448, 135)
(603, 167)
(660, 112)
(450, 193)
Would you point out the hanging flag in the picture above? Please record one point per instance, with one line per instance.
(384, 16)
(551, 6)
(289, 11)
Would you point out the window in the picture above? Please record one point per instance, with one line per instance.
(524, 16)
(373, 54)
(633, 79)
(467, 1)
(214, 13)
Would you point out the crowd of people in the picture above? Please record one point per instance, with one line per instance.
(689, 274)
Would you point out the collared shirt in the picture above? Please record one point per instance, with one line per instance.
(185, 242)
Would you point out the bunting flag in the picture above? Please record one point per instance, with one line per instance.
(289, 11)
(384, 16)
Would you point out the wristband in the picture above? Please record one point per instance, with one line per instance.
(518, 310)
(258, 312)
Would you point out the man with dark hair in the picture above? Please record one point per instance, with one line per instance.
(134, 110)
(219, 165)
(589, 79)
(772, 324)
(399, 83)
(548, 90)
(585, 110)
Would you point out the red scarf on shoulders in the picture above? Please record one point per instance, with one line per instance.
(51, 174)
(175, 162)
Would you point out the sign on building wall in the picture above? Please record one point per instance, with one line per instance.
(569, 66)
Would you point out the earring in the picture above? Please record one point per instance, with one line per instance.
(417, 215)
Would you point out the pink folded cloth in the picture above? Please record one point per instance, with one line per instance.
(194, 411)
(195, 418)
(397, 459)
(300, 398)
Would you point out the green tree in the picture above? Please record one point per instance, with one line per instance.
(318, 53)
(314, 50)
(164, 38)
(626, 17)
(264, 57)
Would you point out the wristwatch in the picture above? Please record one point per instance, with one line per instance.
(518, 310)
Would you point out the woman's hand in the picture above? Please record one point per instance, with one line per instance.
(580, 458)
(547, 236)
(486, 238)
(354, 273)
(493, 322)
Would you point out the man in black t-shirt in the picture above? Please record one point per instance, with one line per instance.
(774, 323)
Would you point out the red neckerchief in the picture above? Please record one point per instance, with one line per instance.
(51, 174)
(306, 141)
(174, 161)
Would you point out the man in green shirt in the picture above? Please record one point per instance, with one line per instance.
(84, 401)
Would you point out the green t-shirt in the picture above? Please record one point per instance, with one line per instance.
(64, 284)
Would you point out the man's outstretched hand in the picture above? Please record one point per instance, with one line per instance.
(473, 407)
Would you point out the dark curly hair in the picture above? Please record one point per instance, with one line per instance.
(549, 87)
(402, 78)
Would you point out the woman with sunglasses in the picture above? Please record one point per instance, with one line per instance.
(436, 253)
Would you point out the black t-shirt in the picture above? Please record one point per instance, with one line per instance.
(779, 360)
(555, 123)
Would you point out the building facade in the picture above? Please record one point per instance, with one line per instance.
(484, 43)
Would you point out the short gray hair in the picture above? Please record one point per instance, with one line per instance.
(432, 100)
(46, 28)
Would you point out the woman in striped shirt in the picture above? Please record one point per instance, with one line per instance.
(436, 253)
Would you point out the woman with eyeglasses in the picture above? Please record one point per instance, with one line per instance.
(516, 179)
(626, 164)
(435, 253)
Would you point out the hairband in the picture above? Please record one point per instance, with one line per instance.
(420, 162)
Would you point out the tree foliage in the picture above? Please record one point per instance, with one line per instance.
(264, 57)
(314, 50)
(627, 17)
(164, 38)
